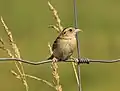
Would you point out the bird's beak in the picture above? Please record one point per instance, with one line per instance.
(78, 30)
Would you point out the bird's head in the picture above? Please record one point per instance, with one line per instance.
(69, 32)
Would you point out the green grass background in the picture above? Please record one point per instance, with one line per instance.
(29, 19)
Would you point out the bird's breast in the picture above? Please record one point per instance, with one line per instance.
(64, 48)
(68, 45)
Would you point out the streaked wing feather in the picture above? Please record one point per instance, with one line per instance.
(55, 44)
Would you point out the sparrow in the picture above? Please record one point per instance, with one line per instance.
(64, 44)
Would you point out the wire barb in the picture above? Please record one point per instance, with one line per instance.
(83, 61)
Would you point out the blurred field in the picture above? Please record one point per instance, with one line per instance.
(29, 19)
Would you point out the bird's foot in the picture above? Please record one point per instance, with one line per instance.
(55, 59)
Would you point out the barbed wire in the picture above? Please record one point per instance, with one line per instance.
(78, 61)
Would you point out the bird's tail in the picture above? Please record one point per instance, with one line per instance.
(51, 57)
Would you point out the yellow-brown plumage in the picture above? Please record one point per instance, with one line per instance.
(64, 44)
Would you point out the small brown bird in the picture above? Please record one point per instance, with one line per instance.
(64, 44)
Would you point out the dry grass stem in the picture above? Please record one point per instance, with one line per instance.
(55, 74)
(33, 77)
(50, 48)
(75, 71)
(55, 14)
(56, 78)
(8, 52)
(16, 75)
(19, 65)
(54, 27)
(42, 80)
(12, 43)
(1, 41)
(5, 49)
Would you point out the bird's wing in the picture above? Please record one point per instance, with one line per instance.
(55, 44)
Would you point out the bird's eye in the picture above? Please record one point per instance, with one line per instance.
(64, 32)
(70, 30)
